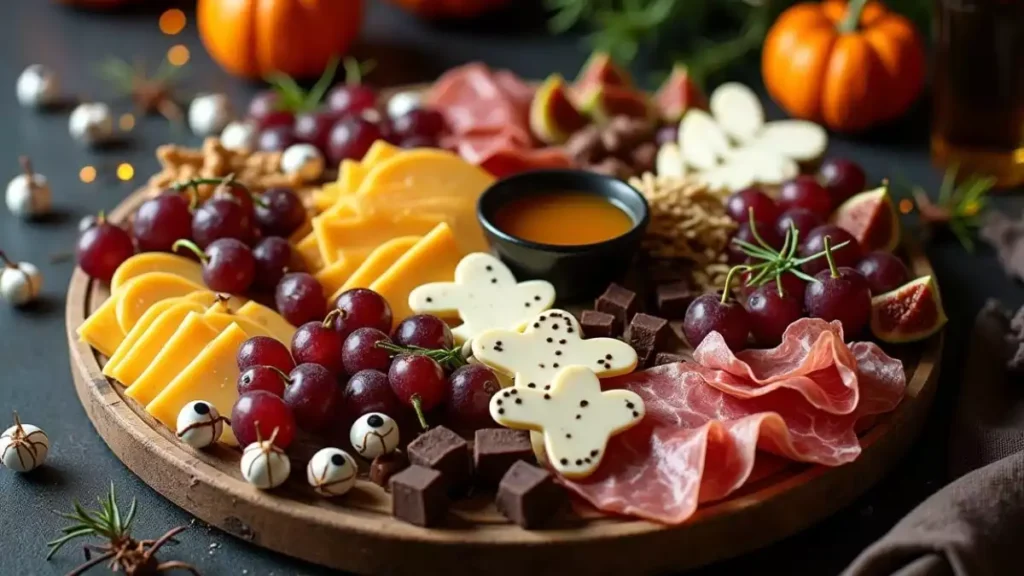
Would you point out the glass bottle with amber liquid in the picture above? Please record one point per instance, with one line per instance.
(978, 116)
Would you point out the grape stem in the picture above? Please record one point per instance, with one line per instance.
(191, 247)
(728, 281)
(448, 358)
(417, 405)
(828, 256)
(329, 319)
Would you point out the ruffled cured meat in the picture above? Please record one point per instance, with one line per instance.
(488, 118)
(699, 441)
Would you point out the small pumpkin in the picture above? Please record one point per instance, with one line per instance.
(848, 66)
(434, 9)
(253, 38)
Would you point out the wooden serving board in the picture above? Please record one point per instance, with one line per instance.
(357, 533)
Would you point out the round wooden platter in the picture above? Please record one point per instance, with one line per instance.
(357, 532)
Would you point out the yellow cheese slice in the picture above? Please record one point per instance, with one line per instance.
(273, 323)
(135, 361)
(101, 330)
(156, 262)
(378, 262)
(212, 376)
(334, 276)
(137, 331)
(185, 343)
(371, 230)
(432, 259)
(309, 250)
(135, 297)
(379, 151)
(220, 317)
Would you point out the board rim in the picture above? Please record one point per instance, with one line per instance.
(362, 541)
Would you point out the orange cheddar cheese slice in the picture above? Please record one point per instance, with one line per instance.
(334, 276)
(156, 262)
(211, 376)
(269, 320)
(371, 230)
(379, 151)
(135, 297)
(378, 262)
(308, 249)
(145, 349)
(432, 259)
(101, 330)
(187, 341)
(137, 331)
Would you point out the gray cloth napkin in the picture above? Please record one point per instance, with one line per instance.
(975, 525)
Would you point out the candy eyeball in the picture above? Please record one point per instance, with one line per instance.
(239, 136)
(208, 114)
(304, 160)
(28, 194)
(199, 424)
(403, 102)
(264, 465)
(37, 87)
(331, 472)
(20, 283)
(374, 434)
(91, 123)
(23, 447)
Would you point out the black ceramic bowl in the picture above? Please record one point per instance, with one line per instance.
(577, 272)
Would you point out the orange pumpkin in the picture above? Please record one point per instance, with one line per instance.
(449, 8)
(849, 67)
(252, 38)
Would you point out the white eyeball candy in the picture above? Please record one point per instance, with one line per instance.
(209, 114)
(23, 447)
(28, 194)
(374, 434)
(264, 465)
(239, 136)
(91, 123)
(331, 472)
(20, 283)
(402, 103)
(199, 424)
(37, 87)
(304, 160)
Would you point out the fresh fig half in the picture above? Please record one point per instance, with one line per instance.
(553, 116)
(601, 70)
(677, 94)
(602, 103)
(909, 313)
(871, 218)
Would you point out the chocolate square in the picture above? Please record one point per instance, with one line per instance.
(673, 299)
(599, 325)
(618, 302)
(418, 496)
(495, 450)
(647, 334)
(446, 452)
(528, 495)
(669, 358)
(385, 466)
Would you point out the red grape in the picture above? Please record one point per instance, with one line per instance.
(800, 218)
(841, 295)
(102, 249)
(280, 212)
(805, 192)
(228, 264)
(369, 391)
(883, 271)
(265, 351)
(842, 179)
(707, 313)
(351, 99)
(300, 298)
(420, 122)
(238, 193)
(269, 411)
(417, 379)
(313, 395)
(221, 218)
(351, 137)
(667, 134)
(275, 138)
(161, 221)
(814, 243)
(317, 343)
(738, 206)
(470, 389)
(314, 128)
(424, 331)
(746, 233)
(265, 378)
(361, 308)
(273, 257)
(360, 351)
(770, 313)
(417, 142)
(264, 108)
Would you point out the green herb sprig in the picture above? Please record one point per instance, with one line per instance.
(958, 208)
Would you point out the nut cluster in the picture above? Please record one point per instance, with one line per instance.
(623, 147)
(256, 170)
(689, 223)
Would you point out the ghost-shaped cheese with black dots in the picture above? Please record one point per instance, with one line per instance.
(484, 295)
(574, 415)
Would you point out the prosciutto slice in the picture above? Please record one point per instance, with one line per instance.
(699, 442)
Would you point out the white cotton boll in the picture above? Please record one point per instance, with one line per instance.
(264, 465)
(238, 136)
(208, 114)
(20, 283)
(23, 447)
(304, 160)
(91, 123)
(37, 87)
(28, 195)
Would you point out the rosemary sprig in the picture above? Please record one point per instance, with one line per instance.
(295, 98)
(959, 207)
(450, 359)
(105, 523)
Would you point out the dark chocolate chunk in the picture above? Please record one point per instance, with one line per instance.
(647, 334)
(618, 302)
(385, 466)
(418, 496)
(598, 325)
(669, 358)
(495, 450)
(446, 452)
(673, 299)
(528, 495)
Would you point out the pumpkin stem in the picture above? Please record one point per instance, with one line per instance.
(852, 20)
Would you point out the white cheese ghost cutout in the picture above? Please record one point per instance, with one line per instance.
(575, 417)
(550, 342)
(485, 295)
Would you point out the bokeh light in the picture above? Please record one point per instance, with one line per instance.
(87, 174)
(906, 206)
(125, 171)
(178, 55)
(172, 21)
(127, 122)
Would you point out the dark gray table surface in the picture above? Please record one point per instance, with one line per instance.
(34, 370)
